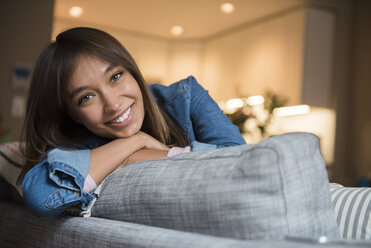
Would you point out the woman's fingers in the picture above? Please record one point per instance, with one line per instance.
(152, 143)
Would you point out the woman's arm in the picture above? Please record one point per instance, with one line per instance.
(149, 154)
(144, 154)
(120, 152)
(56, 183)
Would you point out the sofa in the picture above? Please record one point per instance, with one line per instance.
(272, 194)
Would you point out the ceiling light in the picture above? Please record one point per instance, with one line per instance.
(76, 11)
(177, 30)
(227, 8)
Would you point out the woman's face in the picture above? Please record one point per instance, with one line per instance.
(105, 98)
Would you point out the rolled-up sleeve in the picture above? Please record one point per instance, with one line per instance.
(57, 182)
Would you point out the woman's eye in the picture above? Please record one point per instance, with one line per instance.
(84, 99)
(115, 77)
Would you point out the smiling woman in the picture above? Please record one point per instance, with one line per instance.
(105, 99)
(95, 114)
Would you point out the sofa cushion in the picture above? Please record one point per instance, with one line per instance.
(11, 162)
(352, 210)
(270, 190)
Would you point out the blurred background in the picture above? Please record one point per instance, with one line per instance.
(274, 66)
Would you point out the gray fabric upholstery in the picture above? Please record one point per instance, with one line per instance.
(284, 175)
(19, 228)
(276, 188)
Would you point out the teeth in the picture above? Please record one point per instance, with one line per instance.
(123, 117)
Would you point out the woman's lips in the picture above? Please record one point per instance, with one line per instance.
(124, 118)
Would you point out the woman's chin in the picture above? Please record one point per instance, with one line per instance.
(126, 133)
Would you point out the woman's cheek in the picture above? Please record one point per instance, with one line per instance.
(90, 118)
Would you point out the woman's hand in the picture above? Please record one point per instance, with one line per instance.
(151, 143)
(152, 149)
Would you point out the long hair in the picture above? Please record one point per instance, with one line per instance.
(48, 124)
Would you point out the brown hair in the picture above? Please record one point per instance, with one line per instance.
(47, 122)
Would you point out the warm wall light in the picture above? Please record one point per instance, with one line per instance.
(292, 110)
(233, 104)
(320, 121)
(227, 8)
(177, 30)
(255, 100)
(76, 11)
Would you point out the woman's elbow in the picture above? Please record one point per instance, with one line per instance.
(36, 202)
(37, 192)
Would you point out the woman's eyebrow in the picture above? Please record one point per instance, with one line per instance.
(110, 68)
(77, 91)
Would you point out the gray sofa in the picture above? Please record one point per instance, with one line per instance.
(272, 194)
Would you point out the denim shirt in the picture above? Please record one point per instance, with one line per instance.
(56, 183)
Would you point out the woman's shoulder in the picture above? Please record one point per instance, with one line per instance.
(185, 86)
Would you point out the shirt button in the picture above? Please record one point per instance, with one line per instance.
(77, 193)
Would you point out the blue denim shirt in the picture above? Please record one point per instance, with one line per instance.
(198, 114)
(56, 183)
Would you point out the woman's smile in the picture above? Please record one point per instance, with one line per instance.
(124, 118)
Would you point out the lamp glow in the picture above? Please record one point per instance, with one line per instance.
(234, 103)
(255, 100)
(319, 121)
(292, 110)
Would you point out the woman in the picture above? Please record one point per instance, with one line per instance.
(90, 112)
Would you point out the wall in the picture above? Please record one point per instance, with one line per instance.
(318, 58)
(185, 58)
(361, 90)
(266, 54)
(25, 27)
(344, 167)
(351, 87)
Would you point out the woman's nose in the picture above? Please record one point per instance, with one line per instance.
(111, 103)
